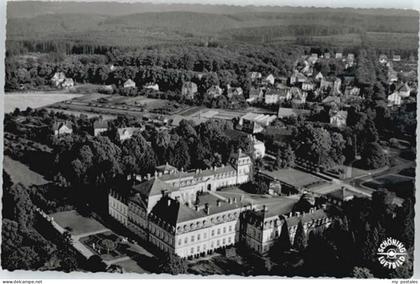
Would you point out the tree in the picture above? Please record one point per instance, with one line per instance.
(405, 223)
(173, 264)
(374, 157)
(299, 242)
(182, 157)
(361, 272)
(284, 238)
(95, 264)
(137, 155)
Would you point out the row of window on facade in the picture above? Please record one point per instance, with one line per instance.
(213, 220)
(119, 206)
(219, 243)
(214, 232)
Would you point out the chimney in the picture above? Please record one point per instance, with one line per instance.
(229, 201)
(197, 208)
(239, 151)
(169, 202)
(234, 200)
(155, 173)
(218, 203)
(265, 208)
(148, 176)
(160, 174)
(207, 208)
(242, 198)
(138, 177)
(298, 214)
(324, 206)
(290, 214)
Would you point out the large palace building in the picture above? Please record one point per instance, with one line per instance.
(182, 213)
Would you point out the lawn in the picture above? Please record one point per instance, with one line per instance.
(403, 186)
(76, 223)
(21, 173)
(34, 99)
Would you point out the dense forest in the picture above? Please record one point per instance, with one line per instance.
(141, 26)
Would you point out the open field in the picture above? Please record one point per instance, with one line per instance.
(34, 99)
(20, 173)
(76, 223)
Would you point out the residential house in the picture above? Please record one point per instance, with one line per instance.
(152, 86)
(269, 79)
(255, 76)
(58, 79)
(129, 84)
(125, 133)
(297, 78)
(319, 76)
(396, 57)
(326, 84)
(62, 128)
(308, 85)
(383, 59)
(214, 91)
(234, 91)
(339, 55)
(297, 96)
(337, 87)
(68, 83)
(282, 80)
(313, 58)
(392, 76)
(274, 96)
(99, 126)
(350, 57)
(327, 55)
(189, 90)
(403, 90)
(256, 94)
(338, 118)
(394, 99)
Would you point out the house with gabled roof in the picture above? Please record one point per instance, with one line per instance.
(214, 91)
(189, 89)
(125, 133)
(129, 84)
(61, 128)
(99, 126)
(256, 94)
(338, 118)
(276, 95)
(234, 91)
(269, 79)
